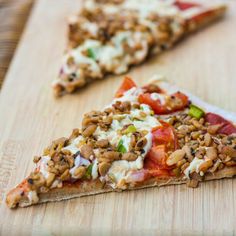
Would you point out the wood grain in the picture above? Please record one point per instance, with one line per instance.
(13, 17)
(31, 117)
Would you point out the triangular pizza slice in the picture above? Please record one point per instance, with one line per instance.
(147, 136)
(108, 37)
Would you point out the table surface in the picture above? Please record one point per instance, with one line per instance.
(31, 117)
(13, 17)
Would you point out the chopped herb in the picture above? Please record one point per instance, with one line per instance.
(91, 53)
(121, 148)
(88, 173)
(130, 129)
(196, 112)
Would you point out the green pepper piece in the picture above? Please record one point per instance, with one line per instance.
(121, 148)
(196, 112)
(91, 53)
(130, 129)
(88, 173)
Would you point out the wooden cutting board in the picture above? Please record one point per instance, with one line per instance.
(31, 118)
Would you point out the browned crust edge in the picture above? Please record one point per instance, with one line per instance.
(215, 13)
(96, 187)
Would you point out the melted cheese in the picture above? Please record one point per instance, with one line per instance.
(91, 27)
(43, 166)
(112, 57)
(131, 95)
(143, 120)
(74, 146)
(194, 165)
(160, 97)
(95, 169)
(145, 7)
(120, 169)
(126, 141)
(148, 145)
(142, 7)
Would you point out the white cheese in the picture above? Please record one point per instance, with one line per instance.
(148, 145)
(131, 95)
(126, 142)
(33, 197)
(81, 59)
(74, 146)
(120, 37)
(111, 135)
(108, 53)
(90, 5)
(147, 124)
(95, 169)
(43, 166)
(146, 108)
(120, 169)
(145, 7)
(152, 26)
(194, 165)
(160, 97)
(110, 9)
(91, 27)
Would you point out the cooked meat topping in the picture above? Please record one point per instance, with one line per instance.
(109, 38)
(199, 146)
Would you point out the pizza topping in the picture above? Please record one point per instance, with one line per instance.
(123, 148)
(87, 151)
(107, 37)
(94, 171)
(222, 125)
(195, 111)
(127, 138)
(106, 41)
(194, 166)
(175, 157)
(199, 148)
(126, 85)
(163, 103)
(120, 170)
(126, 143)
(78, 163)
(185, 5)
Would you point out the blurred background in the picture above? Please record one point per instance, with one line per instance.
(13, 16)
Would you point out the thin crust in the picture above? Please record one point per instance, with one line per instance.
(83, 188)
(213, 15)
(76, 190)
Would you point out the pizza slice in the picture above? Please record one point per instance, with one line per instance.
(147, 136)
(108, 37)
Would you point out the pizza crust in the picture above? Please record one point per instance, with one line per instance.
(215, 14)
(85, 188)
(69, 191)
